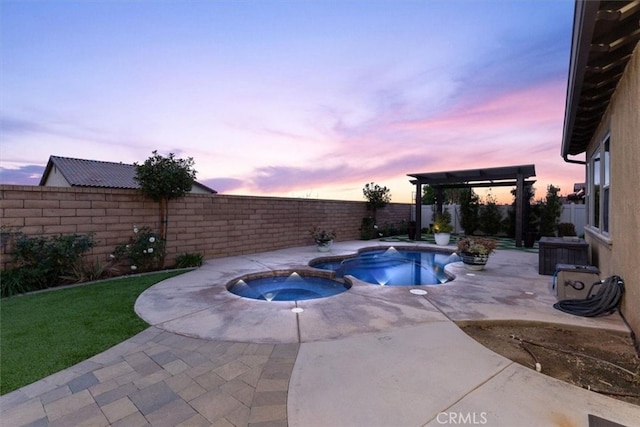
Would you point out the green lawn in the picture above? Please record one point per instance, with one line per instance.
(43, 333)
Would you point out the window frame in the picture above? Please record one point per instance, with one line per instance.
(599, 189)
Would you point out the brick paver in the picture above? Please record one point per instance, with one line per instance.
(162, 379)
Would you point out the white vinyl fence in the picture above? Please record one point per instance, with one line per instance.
(576, 214)
(571, 212)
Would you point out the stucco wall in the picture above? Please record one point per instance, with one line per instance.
(619, 255)
(55, 179)
(213, 225)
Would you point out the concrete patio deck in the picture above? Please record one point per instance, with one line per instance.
(372, 356)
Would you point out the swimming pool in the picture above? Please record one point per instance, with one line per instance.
(287, 286)
(392, 267)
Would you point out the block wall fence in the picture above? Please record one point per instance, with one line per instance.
(213, 225)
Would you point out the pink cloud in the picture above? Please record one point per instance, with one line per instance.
(538, 105)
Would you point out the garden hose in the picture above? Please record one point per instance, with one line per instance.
(604, 302)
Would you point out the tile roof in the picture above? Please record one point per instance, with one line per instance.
(95, 173)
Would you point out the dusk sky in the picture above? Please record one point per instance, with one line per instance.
(289, 98)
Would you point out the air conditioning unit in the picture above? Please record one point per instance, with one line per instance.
(575, 281)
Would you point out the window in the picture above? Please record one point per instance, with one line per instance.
(599, 178)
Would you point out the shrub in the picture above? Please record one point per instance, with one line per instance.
(403, 227)
(21, 280)
(476, 245)
(90, 271)
(144, 252)
(469, 209)
(550, 212)
(442, 223)
(7, 237)
(42, 262)
(530, 220)
(187, 260)
(321, 235)
(566, 229)
(377, 197)
(390, 229)
(368, 229)
(490, 217)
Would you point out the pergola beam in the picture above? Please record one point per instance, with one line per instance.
(479, 184)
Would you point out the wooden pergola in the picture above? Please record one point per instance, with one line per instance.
(506, 176)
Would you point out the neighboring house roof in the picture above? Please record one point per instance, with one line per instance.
(95, 173)
(605, 34)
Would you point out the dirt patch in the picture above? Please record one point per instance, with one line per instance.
(603, 361)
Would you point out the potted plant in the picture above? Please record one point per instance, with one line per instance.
(475, 251)
(323, 238)
(411, 230)
(442, 228)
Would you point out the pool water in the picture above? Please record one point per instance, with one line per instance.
(392, 267)
(292, 287)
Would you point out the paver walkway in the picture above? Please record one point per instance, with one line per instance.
(162, 379)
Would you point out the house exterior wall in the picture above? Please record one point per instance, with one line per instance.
(55, 179)
(213, 225)
(619, 254)
(199, 189)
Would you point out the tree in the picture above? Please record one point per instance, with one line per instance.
(377, 197)
(550, 212)
(530, 221)
(163, 179)
(428, 195)
(490, 216)
(451, 196)
(469, 209)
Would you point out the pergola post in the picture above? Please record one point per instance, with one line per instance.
(418, 210)
(519, 209)
(439, 201)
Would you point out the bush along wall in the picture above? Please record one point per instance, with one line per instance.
(144, 252)
(490, 217)
(541, 218)
(550, 212)
(43, 262)
(469, 211)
